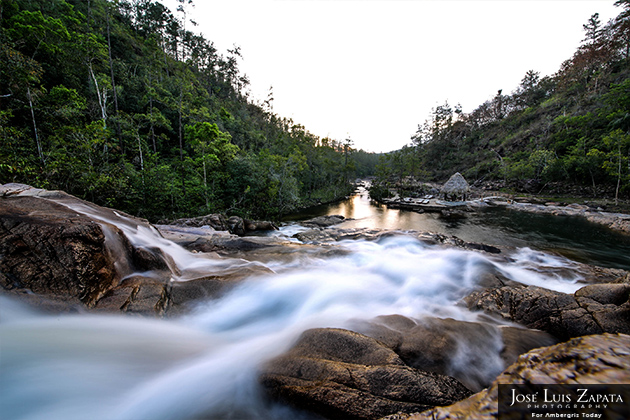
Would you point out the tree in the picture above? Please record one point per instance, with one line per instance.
(617, 158)
(527, 94)
(592, 28)
(214, 149)
(621, 26)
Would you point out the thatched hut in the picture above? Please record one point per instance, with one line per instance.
(455, 188)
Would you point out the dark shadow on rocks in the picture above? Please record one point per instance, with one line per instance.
(472, 352)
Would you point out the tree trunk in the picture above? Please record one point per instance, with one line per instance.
(181, 140)
(593, 180)
(141, 167)
(101, 96)
(618, 178)
(205, 181)
(39, 146)
(111, 70)
(152, 129)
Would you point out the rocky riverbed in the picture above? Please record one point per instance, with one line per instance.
(61, 254)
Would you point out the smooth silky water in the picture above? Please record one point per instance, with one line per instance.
(205, 364)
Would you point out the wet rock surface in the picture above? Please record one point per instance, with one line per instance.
(343, 374)
(47, 249)
(593, 309)
(595, 359)
(333, 234)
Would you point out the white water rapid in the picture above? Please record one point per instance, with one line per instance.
(204, 364)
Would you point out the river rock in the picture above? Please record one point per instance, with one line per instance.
(151, 259)
(472, 352)
(219, 222)
(236, 225)
(323, 221)
(593, 309)
(259, 225)
(595, 359)
(51, 252)
(342, 374)
(315, 236)
(239, 226)
(215, 221)
(49, 249)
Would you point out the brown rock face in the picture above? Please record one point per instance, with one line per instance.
(46, 248)
(593, 309)
(342, 374)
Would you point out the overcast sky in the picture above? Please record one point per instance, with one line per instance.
(372, 70)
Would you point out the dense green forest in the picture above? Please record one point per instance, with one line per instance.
(571, 128)
(120, 103)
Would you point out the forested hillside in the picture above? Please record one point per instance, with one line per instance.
(572, 127)
(119, 102)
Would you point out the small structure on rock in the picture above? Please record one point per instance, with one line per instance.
(455, 188)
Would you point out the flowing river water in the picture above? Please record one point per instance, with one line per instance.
(204, 365)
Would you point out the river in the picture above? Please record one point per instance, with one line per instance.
(574, 237)
(204, 365)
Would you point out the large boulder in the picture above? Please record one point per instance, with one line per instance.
(215, 221)
(593, 309)
(323, 221)
(595, 359)
(56, 248)
(49, 249)
(342, 374)
(259, 225)
(219, 222)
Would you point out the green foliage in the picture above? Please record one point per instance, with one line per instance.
(116, 102)
(379, 191)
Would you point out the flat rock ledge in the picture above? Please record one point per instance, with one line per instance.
(594, 359)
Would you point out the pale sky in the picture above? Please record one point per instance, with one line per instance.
(372, 70)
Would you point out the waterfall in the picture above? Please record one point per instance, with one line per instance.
(205, 364)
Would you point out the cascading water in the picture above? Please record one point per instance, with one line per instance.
(187, 266)
(204, 364)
